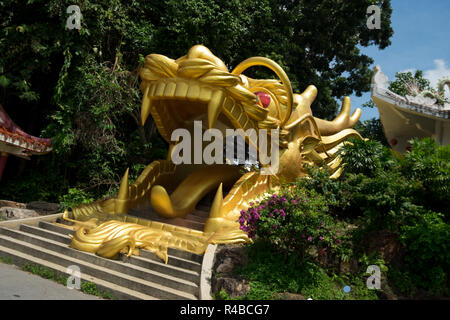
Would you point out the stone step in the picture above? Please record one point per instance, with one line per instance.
(189, 221)
(189, 271)
(181, 222)
(55, 228)
(46, 234)
(176, 257)
(196, 218)
(201, 213)
(99, 267)
(162, 278)
(118, 292)
(190, 263)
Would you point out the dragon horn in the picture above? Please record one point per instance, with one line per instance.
(275, 67)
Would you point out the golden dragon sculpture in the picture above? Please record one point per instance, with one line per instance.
(199, 87)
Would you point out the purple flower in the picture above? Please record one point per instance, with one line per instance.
(275, 226)
(282, 213)
(294, 201)
(310, 238)
(283, 199)
(321, 238)
(251, 204)
(270, 215)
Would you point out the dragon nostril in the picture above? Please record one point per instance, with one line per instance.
(263, 98)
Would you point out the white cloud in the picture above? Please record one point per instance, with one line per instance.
(440, 71)
(408, 70)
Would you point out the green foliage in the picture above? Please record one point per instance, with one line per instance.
(379, 190)
(271, 272)
(428, 261)
(371, 129)
(91, 288)
(80, 87)
(365, 157)
(429, 165)
(74, 197)
(35, 185)
(38, 270)
(7, 260)
(404, 195)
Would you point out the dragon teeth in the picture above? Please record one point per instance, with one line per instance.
(159, 92)
(193, 92)
(169, 91)
(214, 107)
(183, 90)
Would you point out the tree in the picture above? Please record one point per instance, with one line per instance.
(81, 85)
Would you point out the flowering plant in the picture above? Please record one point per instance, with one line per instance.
(294, 221)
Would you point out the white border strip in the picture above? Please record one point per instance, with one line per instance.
(206, 274)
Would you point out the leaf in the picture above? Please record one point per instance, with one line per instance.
(4, 81)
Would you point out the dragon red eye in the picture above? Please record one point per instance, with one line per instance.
(263, 98)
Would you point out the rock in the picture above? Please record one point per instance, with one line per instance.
(226, 266)
(290, 296)
(386, 292)
(229, 257)
(43, 208)
(12, 204)
(326, 259)
(387, 244)
(10, 213)
(233, 286)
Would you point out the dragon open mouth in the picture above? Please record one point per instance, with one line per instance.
(176, 103)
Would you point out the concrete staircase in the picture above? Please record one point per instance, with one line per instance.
(137, 277)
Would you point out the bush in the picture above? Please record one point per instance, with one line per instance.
(366, 157)
(428, 164)
(75, 197)
(296, 222)
(428, 258)
(379, 190)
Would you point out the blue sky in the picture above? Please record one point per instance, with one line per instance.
(421, 40)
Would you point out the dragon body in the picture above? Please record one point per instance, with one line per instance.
(199, 87)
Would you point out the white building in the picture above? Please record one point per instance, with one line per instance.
(408, 117)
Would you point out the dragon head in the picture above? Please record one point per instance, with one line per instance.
(199, 87)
